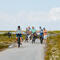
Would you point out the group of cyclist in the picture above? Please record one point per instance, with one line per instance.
(31, 34)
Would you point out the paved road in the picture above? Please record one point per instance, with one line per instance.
(27, 51)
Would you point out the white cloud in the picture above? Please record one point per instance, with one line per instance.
(54, 14)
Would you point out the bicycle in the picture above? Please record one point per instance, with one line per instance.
(18, 41)
(41, 39)
(34, 37)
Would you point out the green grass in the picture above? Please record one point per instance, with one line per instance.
(53, 32)
(5, 41)
(53, 47)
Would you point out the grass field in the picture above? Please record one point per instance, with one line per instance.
(53, 32)
(53, 47)
(5, 41)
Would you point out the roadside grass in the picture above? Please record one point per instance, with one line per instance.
(5, 41)
(53, 47)
(53, 32)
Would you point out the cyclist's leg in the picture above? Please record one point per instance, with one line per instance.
(16, 37)
(18, 41)
(21, 38)
(30, 37)
(26, 38)
(45, 38)
(33, 40)
(40, 39)
(18, 44)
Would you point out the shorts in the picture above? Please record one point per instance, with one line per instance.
(18, 35)
(45, 37)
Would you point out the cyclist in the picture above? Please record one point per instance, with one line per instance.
(33, 31)
(41, 35)
(19, 34)
(45, 34)
(9, 34)
(27, 33)
(29, 29)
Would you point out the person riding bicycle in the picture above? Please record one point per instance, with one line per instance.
(45, 34)
(19, 34)
(33, 31)
(41, 35)
(27, 33)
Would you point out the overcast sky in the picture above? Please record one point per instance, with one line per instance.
(45, 13)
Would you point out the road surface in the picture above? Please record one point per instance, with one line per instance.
(28, 51)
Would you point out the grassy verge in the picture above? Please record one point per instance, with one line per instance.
(53, 48)
(5, 41)
(53, 32)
